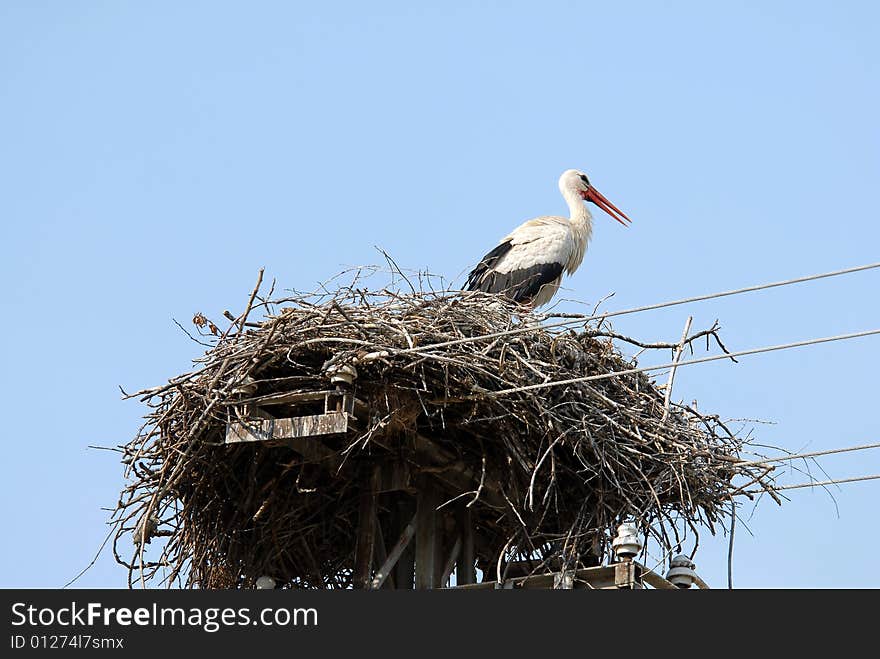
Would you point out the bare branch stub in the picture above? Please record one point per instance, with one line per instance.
(544, 478)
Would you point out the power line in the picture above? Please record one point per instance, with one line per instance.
(700, 360)
(838, 481)
(737, 291)
(784, 458)
(647, 307)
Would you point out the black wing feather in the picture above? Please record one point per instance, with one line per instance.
(475, 279)
(523, 284)
(519, 285)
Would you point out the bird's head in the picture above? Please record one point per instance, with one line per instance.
(575, 182)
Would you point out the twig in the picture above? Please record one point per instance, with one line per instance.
(678, 350)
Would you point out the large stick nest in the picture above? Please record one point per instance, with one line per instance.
(549, 472)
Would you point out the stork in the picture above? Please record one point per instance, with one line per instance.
(528, 263)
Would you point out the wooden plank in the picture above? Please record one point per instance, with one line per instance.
(426, 536)
(379, 555)
(619, 575)
(483, 585)
(449, 566)
(294, 398)
(290, 397)
(287, 432)
(404, 572)
(439, 545)
(594, 577)
(465, 572)
(600, 578)
(394, 555)
(366, 540)
(261, 430)
(332, 423)
(700, 583)
(653, 579)
(626, 575)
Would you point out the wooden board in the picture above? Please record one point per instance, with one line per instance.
(290, 397)
(616, 576)
(627, 575)
(367, 523)
(352, 403)
(404, 571)
(464, 571)
(300, 434)
(426, 536)
(397, 551)
(658, 582)
(262, 430)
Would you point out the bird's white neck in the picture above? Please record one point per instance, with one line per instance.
(581, 226)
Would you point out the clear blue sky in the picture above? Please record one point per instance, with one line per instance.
(153, 156)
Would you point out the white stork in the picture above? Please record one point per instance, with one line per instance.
(527, 264)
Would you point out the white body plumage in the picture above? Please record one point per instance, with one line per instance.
(528, 264)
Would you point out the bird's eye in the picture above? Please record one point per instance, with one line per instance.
(585, 179)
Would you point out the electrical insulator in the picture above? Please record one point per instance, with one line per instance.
(627, 544)
(265, 583)
(681, 571)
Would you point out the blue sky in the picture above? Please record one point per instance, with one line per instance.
(153, 156)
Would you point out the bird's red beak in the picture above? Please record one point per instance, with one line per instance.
(592, 194)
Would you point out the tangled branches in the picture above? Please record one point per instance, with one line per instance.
(545, 476)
